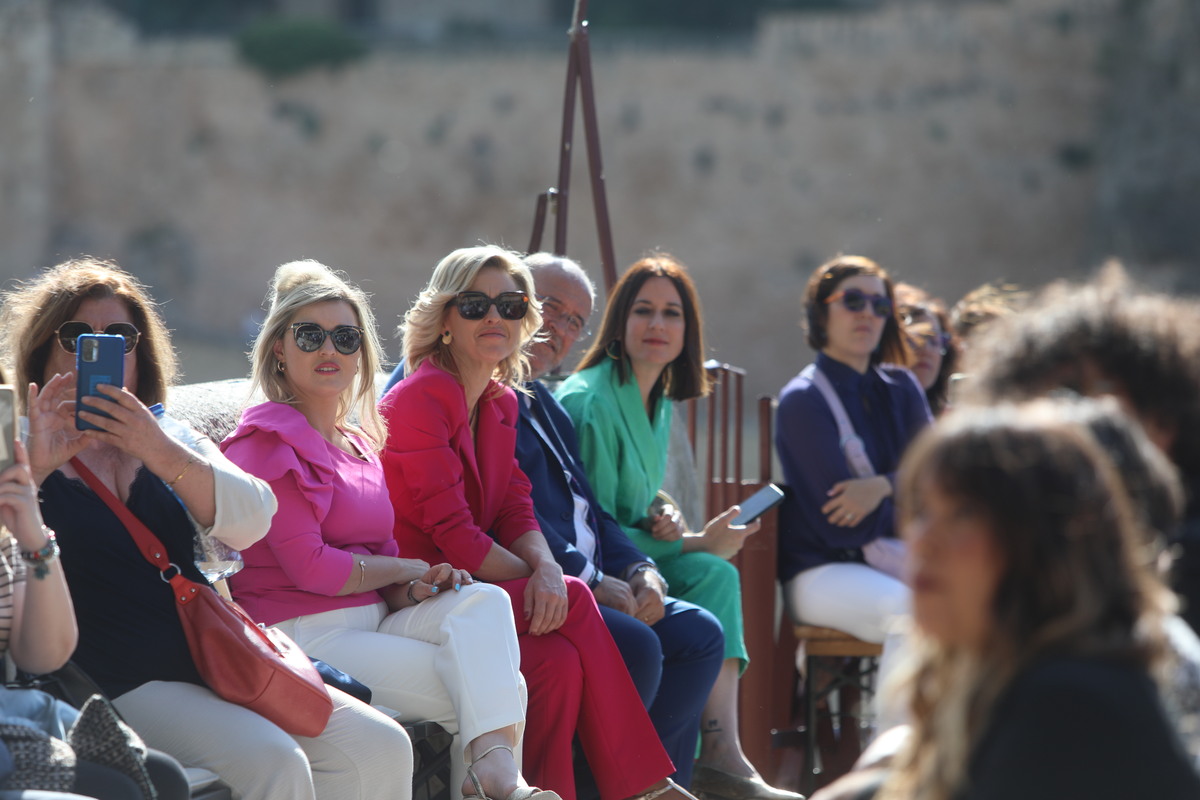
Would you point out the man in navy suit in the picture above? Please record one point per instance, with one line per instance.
(673, 649)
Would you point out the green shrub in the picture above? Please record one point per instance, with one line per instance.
(279, 48)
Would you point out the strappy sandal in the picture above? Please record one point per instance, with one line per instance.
(520, 793)
(654, 794)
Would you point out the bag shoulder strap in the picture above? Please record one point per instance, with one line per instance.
(821, 381)
(851, 443)
(148, 544)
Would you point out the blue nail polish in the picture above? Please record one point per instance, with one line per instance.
(458, 587)
(434, 590)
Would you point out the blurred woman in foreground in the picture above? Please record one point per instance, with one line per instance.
(1039, 623)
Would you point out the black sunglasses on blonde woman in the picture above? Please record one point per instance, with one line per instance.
(347, 339)
(69, 332)
(509, 305)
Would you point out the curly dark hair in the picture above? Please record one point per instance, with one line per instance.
(1103, 337)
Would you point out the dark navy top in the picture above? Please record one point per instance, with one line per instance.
(129, 630)
(887, 408)
(1079, 728)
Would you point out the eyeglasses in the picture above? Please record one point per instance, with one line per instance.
(856, 300)
(69, 332)
(553, 308)
(928, 339)
(347, 339)
(475, 305)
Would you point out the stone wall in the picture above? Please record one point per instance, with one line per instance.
(26, 178)
(955, 144)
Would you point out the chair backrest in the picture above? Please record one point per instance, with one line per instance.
(716, 427)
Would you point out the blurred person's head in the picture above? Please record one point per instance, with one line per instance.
(444, 322)
(983, 305)
(1149, 477)
(47, 314)
(567, 296)
(1023, 543)
(653, 316)
(1102, 338)
(319, 339)
(932, 347)
(850, 313)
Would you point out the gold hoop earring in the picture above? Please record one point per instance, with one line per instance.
(447, 337)
(280, 366)
(609, 351)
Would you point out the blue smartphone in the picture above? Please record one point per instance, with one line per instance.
(99, 358)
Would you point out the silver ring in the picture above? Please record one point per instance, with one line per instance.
(849, 516)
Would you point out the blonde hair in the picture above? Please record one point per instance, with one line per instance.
(423, 323)
(297, 285)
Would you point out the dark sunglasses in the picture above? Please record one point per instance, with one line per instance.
(347, 339)
(928, 339)
(69, 332)
(475, 305)
(856, 300)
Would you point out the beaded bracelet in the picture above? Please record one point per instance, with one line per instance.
(41, 559)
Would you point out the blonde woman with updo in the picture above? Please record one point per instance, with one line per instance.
(430, 642)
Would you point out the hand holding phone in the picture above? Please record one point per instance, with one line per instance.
(758, 504)
(99, 359)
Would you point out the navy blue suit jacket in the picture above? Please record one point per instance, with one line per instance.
(552, 500)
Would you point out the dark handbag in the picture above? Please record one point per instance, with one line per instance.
(340, 680)
(242, 662)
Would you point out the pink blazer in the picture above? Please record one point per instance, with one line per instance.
(453, 497)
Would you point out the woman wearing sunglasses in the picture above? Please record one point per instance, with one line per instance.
(841, 427)
(648, 353)
(429, 642)
(131, 641)
(460, 497)
(930, 342)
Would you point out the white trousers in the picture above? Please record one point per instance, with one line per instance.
(361, 755)
(855, 598)
(452, 659)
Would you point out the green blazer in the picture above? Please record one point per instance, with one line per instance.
(625, 454)
(624, 451)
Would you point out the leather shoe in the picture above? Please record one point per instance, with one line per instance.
(714, 783)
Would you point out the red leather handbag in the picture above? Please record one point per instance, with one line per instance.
(241, 661)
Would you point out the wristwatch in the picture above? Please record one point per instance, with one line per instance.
(596, 579)
(650, 568)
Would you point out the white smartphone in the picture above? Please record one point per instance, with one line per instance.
(758, 504)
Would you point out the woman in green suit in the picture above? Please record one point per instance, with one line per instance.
(649, 352)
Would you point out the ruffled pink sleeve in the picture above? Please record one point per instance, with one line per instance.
(276, 443)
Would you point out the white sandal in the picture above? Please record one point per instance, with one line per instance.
(520, 793)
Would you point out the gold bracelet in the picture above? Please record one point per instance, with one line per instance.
(362, 575)
(191, 460)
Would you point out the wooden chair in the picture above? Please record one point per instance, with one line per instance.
(833, 661)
